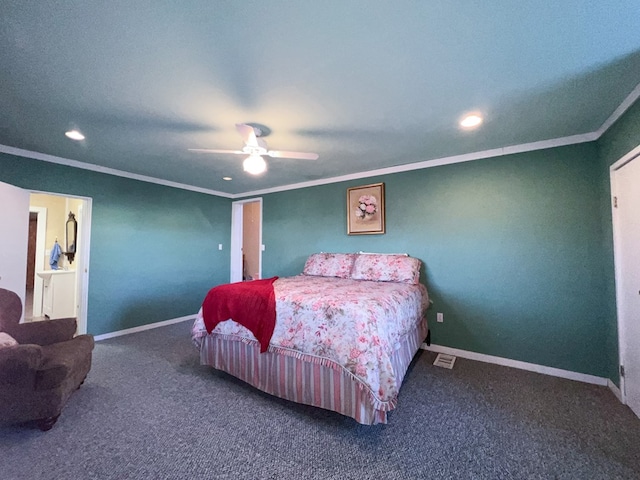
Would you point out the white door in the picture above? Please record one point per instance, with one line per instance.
(14, 218)
(627, 243)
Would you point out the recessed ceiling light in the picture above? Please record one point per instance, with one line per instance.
(470, 121)
(227, 178)
(74, 135)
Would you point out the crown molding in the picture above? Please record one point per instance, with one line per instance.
(109, 171)
(618, 112)
(436, 162)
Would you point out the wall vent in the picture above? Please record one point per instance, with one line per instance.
(445, 361)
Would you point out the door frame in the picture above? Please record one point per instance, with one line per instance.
(82, 282)
(237, 216)
(41, 232)
(629, 157)
(83, 255)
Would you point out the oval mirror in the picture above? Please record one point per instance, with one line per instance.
(72, 233)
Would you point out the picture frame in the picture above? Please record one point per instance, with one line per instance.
(365, 210)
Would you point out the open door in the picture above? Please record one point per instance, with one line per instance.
(243, 237)
(14, 218)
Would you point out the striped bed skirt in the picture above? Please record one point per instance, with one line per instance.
(307, 379)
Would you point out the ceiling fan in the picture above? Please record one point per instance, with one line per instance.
(255, 147)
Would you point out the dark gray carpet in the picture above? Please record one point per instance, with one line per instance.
(148, 410)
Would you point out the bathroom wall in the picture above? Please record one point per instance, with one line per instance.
(56, 218)
(58, 208)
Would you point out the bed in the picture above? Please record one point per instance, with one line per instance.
(345, 332)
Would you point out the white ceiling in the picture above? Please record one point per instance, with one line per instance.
(365, 84)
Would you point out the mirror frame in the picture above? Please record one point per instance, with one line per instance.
(71, 232)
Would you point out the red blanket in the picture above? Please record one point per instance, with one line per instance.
(251, 304)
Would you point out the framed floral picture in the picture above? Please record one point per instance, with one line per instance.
(365, 209)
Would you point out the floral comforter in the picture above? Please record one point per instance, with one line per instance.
(355, 323)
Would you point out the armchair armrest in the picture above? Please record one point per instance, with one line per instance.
(18, 364)
(45, 332)
(51, 376)
(62, 360)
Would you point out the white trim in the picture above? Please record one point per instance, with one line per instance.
(235, 242)
(436, 162)
(83, 251)
(142, 328)
(625, 159)
(109, 171)
(496, 152)
(84, 254)
(507, 362)
(38, 283)
(616, 266)
(618, 112)
(237, 215)
(616, 391)
(467, 157)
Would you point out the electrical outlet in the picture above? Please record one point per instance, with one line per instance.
(440, 317)
(219, 246)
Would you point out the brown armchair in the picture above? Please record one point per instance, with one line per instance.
(47, 365)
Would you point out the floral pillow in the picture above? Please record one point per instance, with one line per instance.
(7, 340)
(386, 268)
(329, 265)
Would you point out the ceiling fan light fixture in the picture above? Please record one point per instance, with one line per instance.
(255, 147)
(254, 164)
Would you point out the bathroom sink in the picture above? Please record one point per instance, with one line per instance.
(46, 274)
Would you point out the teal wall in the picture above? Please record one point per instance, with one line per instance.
(511, 247)
(620, 139)
(517, 250)
(154, 249)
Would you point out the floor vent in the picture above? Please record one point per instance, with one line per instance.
(445, 361)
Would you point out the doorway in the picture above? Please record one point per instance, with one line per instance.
(246, 240)
(625, 178)
(64, 294)
(35, 262)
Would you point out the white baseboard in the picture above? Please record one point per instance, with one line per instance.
(142, 328)
(532, 367)
(480, 357)
(616, 391)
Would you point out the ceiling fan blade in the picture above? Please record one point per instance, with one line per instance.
(211, 150)
(248, 134)
(298, 155)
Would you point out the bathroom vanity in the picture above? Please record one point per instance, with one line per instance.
(59, 299)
